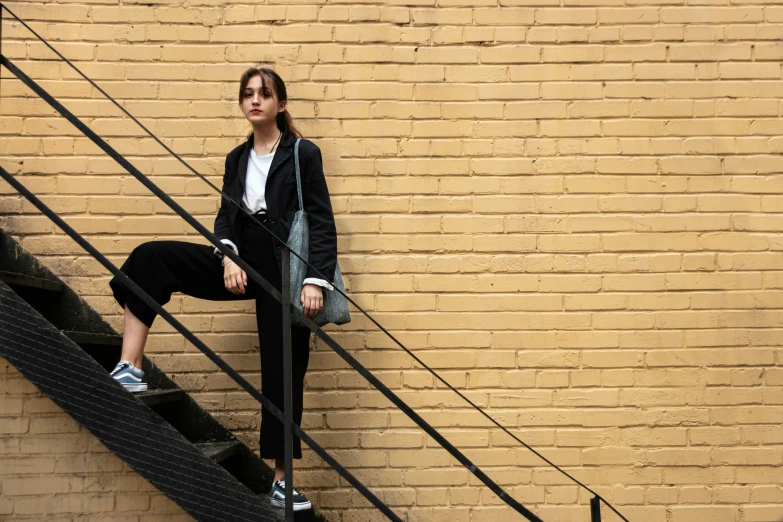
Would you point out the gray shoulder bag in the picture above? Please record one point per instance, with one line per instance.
(335, 308)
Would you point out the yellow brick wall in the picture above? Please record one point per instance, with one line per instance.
(53, 469)
(572, 211)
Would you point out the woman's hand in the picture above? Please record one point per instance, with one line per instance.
(312, 299)
(234, 277)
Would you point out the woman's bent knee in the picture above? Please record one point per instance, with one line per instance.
(146, 251)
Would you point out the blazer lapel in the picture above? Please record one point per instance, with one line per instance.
(283, 152)
(243, 159)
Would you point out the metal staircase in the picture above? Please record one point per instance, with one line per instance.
(46, 330)
(48, 333)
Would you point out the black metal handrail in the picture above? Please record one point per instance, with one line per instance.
(133, 287)
(596, 499)
(494, 487)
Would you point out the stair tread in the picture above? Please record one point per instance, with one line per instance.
(13, 278)
(93, 338)
(219, 451)
(159, 396)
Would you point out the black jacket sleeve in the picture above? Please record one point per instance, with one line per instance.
(223, 220)
(323, 234)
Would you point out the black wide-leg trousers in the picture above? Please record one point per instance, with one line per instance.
(161, 268)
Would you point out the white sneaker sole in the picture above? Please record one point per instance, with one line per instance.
(135, 388)
(297, 507)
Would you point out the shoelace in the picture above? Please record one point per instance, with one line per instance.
(281, 484)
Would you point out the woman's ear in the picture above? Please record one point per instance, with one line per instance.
(281, 106)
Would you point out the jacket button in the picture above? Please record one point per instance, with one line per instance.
(273, 221)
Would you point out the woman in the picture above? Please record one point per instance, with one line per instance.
(260, 176)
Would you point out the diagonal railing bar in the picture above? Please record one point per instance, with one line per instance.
(270, 289)
(359, 308)
(211, 355)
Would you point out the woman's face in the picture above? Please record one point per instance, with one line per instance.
(260, 104)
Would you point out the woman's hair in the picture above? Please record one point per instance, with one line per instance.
(284, 120)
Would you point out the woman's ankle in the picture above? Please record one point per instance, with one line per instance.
(279, 470)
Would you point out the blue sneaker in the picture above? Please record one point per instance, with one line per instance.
(131, 378)
(278, 497)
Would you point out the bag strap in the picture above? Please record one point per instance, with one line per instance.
(298, 175)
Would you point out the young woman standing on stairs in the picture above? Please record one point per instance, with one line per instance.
(260, 176)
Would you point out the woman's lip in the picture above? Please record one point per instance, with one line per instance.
(255, 111)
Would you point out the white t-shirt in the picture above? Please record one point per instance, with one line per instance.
(255, 182)
(255, 200)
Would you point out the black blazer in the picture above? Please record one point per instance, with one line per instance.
(282, 201)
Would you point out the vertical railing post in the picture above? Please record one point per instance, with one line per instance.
(595, 509)
(287, 398)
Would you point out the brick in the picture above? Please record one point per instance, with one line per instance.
(510, 54)
(571, 90)
(258, 53)
(504, 16)
(684, 513)
(39, 485)
(651, 71)
(441, 16)
(439, 55)
(636, 53)
(558, 128)
(24, 465)
(570, 55)
(566, 16)
(759, 513)
(638, 15)
(704, 52)
(671, 15)
(749, 71)
(539, 359)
